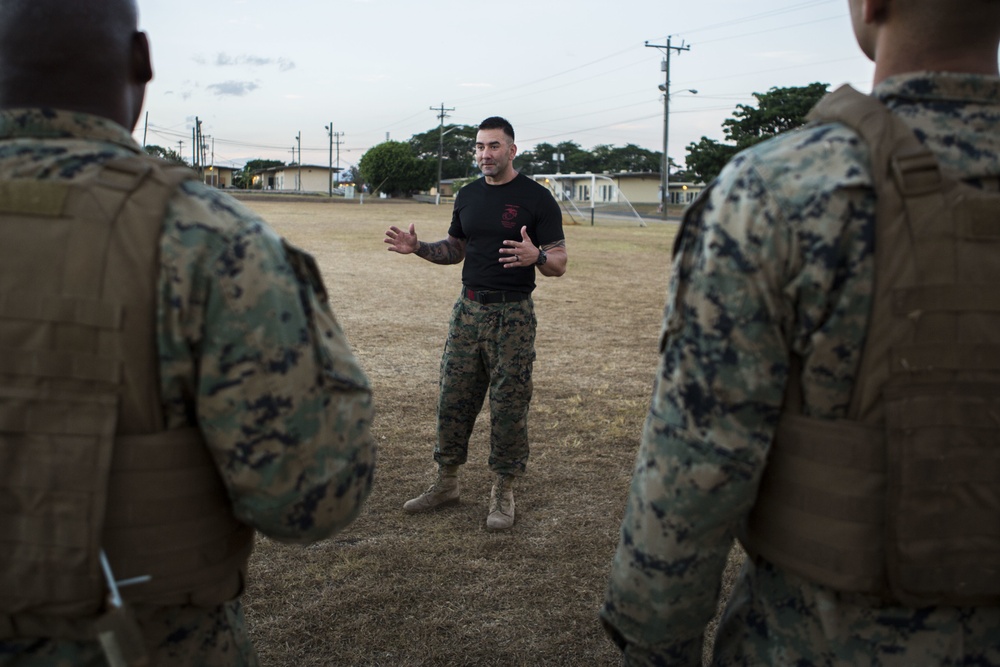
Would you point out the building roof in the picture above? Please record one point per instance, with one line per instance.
(294, 167)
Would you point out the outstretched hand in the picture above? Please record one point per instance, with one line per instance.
(402, 242)
(519, 253)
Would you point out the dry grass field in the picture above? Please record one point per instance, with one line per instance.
(438, 589)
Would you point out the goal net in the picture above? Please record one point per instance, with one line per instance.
(588, 199)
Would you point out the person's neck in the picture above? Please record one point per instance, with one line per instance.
(501, 179)
(110, 109)
(901, 59)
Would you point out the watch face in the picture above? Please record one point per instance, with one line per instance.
(541, 258)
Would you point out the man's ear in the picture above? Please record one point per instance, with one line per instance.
(142, 64)
(874, 11)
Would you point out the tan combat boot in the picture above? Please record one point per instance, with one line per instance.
(501, 504)
(443, 492)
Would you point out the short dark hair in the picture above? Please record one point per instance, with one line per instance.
(498, 123)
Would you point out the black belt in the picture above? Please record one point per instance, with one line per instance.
(494, 296)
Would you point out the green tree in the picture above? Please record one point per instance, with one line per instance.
(633, 158)
(393, 168)
(536, 161)
(599, 159)
(573, 157)
(164, 153)
(679, 174)
(540, 160)
(706, 158)
(459, 147)
(602, 158)
(778, 110)
(244, 177)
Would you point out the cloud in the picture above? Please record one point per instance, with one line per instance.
(234, 88)
(476, 85)
(226, 60)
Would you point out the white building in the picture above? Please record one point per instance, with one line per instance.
(606, 188)
(294, 178)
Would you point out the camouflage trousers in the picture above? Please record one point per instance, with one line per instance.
(490, 348)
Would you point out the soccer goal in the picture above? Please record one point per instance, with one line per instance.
(591, 198)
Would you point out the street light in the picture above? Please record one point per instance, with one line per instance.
(665, 170)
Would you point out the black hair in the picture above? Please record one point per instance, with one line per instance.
(498, 123)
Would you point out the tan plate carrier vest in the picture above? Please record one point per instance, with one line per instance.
(85, 462)
(902, 498)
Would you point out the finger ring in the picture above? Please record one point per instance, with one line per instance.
(516, 258)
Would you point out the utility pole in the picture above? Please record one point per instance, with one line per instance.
(665, 168)
(204, 155)
(198, 149)
(298, 185)
(441, 115)
(213, 175)
(329, 130)
(180, 150)
(337, 136)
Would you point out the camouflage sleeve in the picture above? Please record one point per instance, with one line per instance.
(253, 355)
(755, 276)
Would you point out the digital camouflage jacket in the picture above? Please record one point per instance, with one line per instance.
(775, 258)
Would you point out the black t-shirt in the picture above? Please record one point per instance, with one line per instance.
(487, 215)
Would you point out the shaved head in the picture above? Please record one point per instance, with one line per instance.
(955, 21)
(78, 55)
(903, 36)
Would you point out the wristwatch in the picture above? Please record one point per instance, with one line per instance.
(542, 257)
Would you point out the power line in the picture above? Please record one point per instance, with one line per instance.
(752, 17)
(505, 92)
(757, 17)
(761, 32)
(583, 73)
(743, 75)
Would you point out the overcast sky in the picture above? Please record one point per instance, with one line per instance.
(259, 72)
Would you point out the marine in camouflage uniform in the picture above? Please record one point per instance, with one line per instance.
(776, 258)
(283, 405)
(246, 377)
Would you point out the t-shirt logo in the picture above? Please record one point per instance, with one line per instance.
(509, 217)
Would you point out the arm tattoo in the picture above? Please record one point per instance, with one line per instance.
(561, 243)
(441, 252)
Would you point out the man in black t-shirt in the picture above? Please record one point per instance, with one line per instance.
(504, 226)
